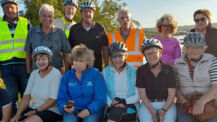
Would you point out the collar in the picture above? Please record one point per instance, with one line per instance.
(127, 33)
(15, 20)
(92, 26)
(164, 67)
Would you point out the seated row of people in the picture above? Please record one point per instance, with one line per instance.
(83, 92)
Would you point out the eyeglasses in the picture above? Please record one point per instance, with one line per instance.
(200, 19)
(151, 54)
(167, 26)
(120, 56)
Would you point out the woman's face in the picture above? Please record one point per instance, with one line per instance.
(152, 55)
(80, 65)
(166, 27)
(194, 53)
(201, 21)
(47, 18)
(42, 61)
(118, 59)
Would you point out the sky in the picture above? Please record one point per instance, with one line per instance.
(148, 11)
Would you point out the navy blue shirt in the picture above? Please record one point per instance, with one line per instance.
(4, 100)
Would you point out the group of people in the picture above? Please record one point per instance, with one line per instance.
(125, 89)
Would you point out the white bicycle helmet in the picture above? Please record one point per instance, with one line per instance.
(117, 46)
(72, 2)
(87, 4)
(151, 43)
(194, 39)
(41, 50)
(9, 1)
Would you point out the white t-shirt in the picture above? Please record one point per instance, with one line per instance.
(41, 89)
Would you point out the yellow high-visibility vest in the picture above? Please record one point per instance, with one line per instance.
(13, 47)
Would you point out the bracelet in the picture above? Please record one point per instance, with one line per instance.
(163, 109)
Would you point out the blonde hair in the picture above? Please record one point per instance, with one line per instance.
(171, 20)
(46, 7)
(82, 52)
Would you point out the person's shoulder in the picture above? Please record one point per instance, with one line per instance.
(130, 67)
(56, 71)
(143, 68)
(76, 26)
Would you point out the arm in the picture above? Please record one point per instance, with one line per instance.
(66, 58)
(29, 62)
(105, 55)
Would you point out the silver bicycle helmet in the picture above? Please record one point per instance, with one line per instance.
(9, 1)
(41, 50)
(194, 39)
(151, 43)
(117, 46)
(87, 4)
(72, 2)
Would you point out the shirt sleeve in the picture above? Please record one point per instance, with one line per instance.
(5, 99)
(171, 79)
(213, 71)
(109, 100)
(28, 45)
(66, 48)
(30, 83)
(55, 85)
(177, 51)
(139, 79)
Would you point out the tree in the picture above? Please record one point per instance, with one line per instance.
(105, 11)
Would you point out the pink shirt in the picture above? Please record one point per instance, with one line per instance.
(171, 49)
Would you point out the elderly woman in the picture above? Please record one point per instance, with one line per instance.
(197, 72)
(5, 106)
(47, 35)
(203, 24)
(156, 85)
(83, 85)
(39, 101)
(122, 95)
(167, 26)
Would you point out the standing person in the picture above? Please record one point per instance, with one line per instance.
(90, 33)
(5, 106)
(13, 35)
(167, 26)
(122, 95)
(203, 24)
(130, 36)
(84, 85)
(196, 72)
(38, 103)
(47, 35)
(156, 85)
(65, 22)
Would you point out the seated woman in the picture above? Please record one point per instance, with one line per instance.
(39, 101)
(5, 106)
(122, 95)
(85, 86)
(197, 72)
(156, 85)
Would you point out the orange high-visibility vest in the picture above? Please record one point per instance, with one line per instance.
(133, 43)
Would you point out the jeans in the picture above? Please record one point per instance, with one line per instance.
(185, 117)
(15, 78)
(145, 115)
(73, 118)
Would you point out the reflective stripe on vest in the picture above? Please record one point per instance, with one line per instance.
(13, 47)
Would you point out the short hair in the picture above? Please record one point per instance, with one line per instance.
(205, 12)
(46, 7)
(82, 52)
(41, 55)
(124, 11)
(171, 20)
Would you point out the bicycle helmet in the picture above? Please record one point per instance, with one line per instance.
(9, 1)
(151, 43)
(117, 46)
(194, 39)
(72, 2)
(41, 50)
(87, 4)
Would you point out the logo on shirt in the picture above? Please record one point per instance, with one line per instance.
(72, 84)
(89, 83)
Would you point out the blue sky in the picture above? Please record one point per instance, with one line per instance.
(148, 11)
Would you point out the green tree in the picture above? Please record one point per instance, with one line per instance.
(106, 11)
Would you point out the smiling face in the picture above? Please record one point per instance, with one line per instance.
(166, 27)
(124, 19)
(152, 55)
(118, 59)
(42, 61)
(201, 21)
(70, 11)
(194, 53)
(87, 15)
(10, 10)
(46, 18)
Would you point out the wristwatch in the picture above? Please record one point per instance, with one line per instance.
(163, 109)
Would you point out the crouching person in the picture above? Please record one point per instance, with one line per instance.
(157, 85)
(122, 95)
(82, 92)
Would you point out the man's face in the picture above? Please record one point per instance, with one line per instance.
(10, 10)
(125, 20)
(87, 15)
(70, 11)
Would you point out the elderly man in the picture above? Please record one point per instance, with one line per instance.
(65, 23)
(130, 36)
(13, 34)
(92, 34)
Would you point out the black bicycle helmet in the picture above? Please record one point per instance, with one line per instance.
(151, 43)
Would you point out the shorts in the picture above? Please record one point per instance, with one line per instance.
(46, 116)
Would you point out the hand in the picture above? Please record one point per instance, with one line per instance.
(121, 105)
(68, 110)
(83, 114)
(198, 108)
(154, 116)
(30, 113)
(114, 102)
(162, 115)
(15, 119)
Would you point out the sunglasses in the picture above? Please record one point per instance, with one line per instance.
(200, 19)
(120, 56)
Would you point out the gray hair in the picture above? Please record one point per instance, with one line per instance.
(46, 7)
(124, 11)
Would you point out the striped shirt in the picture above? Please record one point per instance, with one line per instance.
(213, 71)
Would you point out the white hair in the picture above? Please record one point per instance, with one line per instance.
(123, 11)
(46, 7)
